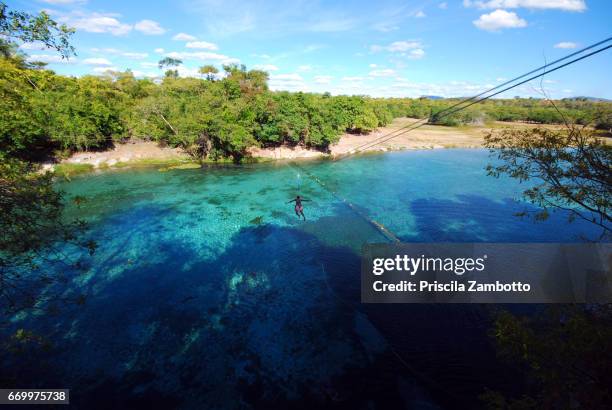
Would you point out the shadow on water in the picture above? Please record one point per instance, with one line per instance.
(472, 218)
(257, 326)
(273, 320)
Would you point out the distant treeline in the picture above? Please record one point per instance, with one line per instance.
(540, 111)
(42, 112)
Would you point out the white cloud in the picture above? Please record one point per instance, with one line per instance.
(265, 67)
(33, 46)
(51, 58)
(202, 45)
(97, 61)
(94, 22)
(149, 27)
(159, 50)
(105, 50)
(144, 74)
(323, 79)
(385, 27)
(136, 56)
(188, 71)
(412, 49)
(403, 87)
(386, 72)
(202, 55)
(566, 44)
(127, 54)
(416, 54)
(305, 67)
(290, 82)
(499, 19)
(403, 45)
(312, 47)
(184, 37)
(102, 70)
(443, 6)
(229, 17)
(567, 5)
(287, 77)
(182, 70)
(420, 14)
(372, 65)
(263, 56)
(148, 64)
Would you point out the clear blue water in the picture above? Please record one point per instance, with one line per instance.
(208, 292)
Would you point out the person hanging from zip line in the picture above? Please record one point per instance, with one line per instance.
(299, 208)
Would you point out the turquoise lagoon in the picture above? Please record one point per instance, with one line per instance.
(208, 292)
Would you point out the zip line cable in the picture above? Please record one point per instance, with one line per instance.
(381, 228)
(544, 67)
(384, 231)
(445, 111)
(372, 143)
(420, 123)
(402, 130)
(424, 121)
(497, 87)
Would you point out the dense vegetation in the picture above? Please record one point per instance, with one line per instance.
(41, 111)
(580, 111)
(565, 352)
(31, 209)
(44, 113)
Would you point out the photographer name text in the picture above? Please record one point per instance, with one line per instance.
(421, 264)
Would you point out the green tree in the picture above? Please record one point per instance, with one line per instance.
(17, 25)
(168, 62)
(208, 71)
(249, 82)
(570, 168)
(30, 209)
(565, 352)
(33, 228)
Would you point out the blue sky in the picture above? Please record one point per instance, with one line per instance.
(379, 48)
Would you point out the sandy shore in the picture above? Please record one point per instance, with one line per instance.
(130, 152)
(426, 137)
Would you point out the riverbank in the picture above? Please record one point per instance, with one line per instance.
(132, 151)
(426, 137)
(148, 153)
